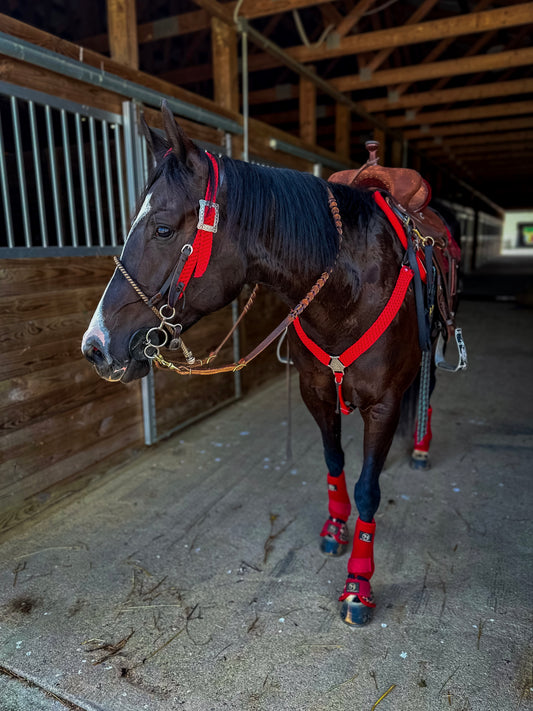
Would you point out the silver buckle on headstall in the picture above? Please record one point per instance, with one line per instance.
(204, 205)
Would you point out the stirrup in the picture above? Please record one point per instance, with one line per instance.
(440, 360)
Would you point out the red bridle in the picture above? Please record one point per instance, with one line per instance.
(202, 244)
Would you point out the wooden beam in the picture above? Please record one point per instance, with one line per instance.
(384, 54)
(451, 67)
(442, 46)
(478, 127)
(514, 108)
(93, 59)
(225, 65)
(483, 139)
(396, 154)
(342, 130)
(197, 20)
(307, 107)
(352, 18)
(381, 138)
(454, 26)
(445, 96)
(122, 32)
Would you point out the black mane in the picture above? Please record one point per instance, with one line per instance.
(285, 210)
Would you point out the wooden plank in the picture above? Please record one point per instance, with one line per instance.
(307, 111)
(82, 472)
(514, 108)
(33, 359)
(33, 77)
(478, 127)
(225, 65)
(342, 130)
(385, 53)
(64, 434)
(35, 276)
(439, 49)
(122, 32)
(352, 18)
(36, 332)
(396, 154)
(33, 396)
(454, 26)
(451, 67)
(100, 61)
(484, 139)
(48, 473)
(445, 96)
(195, 21)
(29, 306)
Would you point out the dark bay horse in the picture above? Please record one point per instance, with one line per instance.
(275, 227)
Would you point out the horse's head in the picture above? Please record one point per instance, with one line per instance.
(161, 269)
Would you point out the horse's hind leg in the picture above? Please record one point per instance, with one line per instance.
(380, 423)
(334, 535)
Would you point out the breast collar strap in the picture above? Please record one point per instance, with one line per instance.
(339, 363)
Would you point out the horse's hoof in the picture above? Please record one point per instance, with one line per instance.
(355, 613)
(357, 601)
(330, 547)
(420, 460)
(334, 537)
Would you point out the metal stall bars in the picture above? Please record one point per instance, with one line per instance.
(61, 176)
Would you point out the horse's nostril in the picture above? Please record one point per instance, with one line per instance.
(92, 351)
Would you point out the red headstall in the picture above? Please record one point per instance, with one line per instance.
(202, 243)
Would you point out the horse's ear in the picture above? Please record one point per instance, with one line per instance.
(156, 143)
(185, 150)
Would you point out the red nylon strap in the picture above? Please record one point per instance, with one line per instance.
(203, 240)
(368, 338)
(395, 222)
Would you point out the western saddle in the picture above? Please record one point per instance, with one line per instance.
(409, 195)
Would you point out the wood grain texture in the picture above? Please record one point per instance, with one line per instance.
(58, 420)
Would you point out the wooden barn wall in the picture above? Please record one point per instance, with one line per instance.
(58, 419)
(61, 426)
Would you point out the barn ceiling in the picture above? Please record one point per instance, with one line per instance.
(453, 78)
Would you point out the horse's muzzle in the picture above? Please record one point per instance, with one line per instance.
(106, 367)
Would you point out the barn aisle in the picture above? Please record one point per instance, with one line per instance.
(191, 579)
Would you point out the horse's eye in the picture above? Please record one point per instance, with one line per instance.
(163, 232)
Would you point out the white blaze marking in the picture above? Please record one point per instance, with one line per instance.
(97, 326)
(145, 209)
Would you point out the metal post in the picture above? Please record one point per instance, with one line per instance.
(56, 190)
(83, 180)
(21, 171)
(109, 183)
(134, 156)
(96, 182)
(245, 99)
(69, 179)
(38, 173)
(6, 202)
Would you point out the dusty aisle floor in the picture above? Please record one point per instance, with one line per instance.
(191, 578)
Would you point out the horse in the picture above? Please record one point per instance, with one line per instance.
(205, 227)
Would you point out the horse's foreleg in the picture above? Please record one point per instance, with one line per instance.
(380, 424)
(334, 535)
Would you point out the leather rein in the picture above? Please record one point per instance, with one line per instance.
(193, 261)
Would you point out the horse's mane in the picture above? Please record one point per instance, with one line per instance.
(285, 210)
(288, 212)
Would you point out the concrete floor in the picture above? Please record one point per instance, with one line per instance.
(191, 579)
